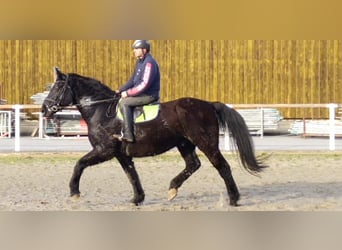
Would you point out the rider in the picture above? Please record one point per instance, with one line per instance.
(141, 89)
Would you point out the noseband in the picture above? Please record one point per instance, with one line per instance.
(56, 103)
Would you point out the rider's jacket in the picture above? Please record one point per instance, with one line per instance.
(145, 79)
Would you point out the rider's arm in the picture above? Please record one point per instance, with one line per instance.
(145, 83)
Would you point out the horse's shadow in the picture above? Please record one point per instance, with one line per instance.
(274, 196)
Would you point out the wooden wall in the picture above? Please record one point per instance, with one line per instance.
(230, 71)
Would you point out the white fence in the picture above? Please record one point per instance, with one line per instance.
(332, 109)
(17, 109)
(261, 107)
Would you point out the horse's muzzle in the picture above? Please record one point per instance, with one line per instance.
(48, 111)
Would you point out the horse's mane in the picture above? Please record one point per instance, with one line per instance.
(90, 84)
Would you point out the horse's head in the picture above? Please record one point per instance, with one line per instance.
(60, 95)
(73, 89)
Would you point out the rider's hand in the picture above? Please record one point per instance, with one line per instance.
(124, 94)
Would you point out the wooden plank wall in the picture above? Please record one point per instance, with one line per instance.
(230, 71)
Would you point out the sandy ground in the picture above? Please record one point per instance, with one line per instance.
(307, 181)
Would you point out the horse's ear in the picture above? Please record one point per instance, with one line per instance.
(57, 74)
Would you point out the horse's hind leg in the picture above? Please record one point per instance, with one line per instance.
(209, 146)
(192, 162)
(128, 166)
(222, 166)
(204, 134)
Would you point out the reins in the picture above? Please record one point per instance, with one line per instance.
(92, 103)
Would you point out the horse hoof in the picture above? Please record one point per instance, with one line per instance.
(172, 194)
(75, 197)
(234, 204)
(136, 203)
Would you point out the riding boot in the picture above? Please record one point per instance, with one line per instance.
(128, 124)
(127, 127)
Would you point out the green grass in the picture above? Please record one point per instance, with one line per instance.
(27, 158)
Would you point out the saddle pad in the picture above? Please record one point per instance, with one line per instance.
(143, 114)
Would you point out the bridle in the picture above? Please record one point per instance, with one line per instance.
(56, 103)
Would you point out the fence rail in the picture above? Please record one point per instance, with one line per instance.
(331, 107)
(332, 115)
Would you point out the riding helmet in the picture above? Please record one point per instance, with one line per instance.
(141, 44)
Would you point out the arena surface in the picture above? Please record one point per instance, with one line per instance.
(303, 176)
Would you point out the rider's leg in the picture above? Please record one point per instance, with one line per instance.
(126, 106)
(128, 123)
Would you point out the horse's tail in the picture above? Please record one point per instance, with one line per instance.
(231, 119)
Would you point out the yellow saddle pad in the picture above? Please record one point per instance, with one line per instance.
(143, 114)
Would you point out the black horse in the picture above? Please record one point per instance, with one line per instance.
(185, 123)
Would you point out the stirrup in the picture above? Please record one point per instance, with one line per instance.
(119, 136)
(122, 137)
(128, 137)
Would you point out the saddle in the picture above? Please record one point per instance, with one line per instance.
(143, 113)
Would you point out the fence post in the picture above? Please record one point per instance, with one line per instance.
(262, 122)
(40, 126)
(17, 126)
(332, 107)
(227, 142)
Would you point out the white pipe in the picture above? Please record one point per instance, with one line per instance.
(262, 122)
(17, 127)
(227, 143)
(9, 124)
(40, 130)
(226, 140)
(332, 107)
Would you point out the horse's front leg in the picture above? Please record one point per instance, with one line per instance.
(92, 158)
(128, 166)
